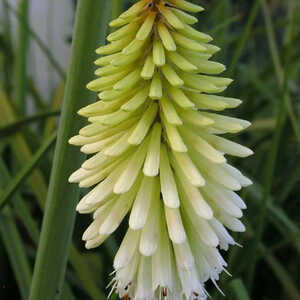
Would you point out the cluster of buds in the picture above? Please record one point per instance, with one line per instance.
(158, 155)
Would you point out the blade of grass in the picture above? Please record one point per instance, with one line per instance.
(61, 202)
(15, 126)
(278, 269)
(282, 274)
(272, 157)
(55, 105)
(38, 186)
(8, 63)
(14, 243)
(277, 217)
(26, 171)
(16, 251)
(85, 275)
(294, 178)
(19, 206)
(39, 102)
(239, 289)
(280, 72)
(22, 152)
(21, 56)
(80, 265)
(244, 37)
(39, 42)
(225, 24)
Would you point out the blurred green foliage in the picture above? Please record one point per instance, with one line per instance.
(260, 43)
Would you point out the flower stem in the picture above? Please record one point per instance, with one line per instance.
(62, 197)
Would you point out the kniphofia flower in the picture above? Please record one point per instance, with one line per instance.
(158, 155)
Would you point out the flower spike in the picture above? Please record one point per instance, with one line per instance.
(158, 155)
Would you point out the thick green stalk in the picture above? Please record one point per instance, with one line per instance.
(116, 8)
(21, 56)
(59, 216)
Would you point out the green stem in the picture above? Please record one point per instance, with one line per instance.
(116, 8)
(21, 56)
(62, 196)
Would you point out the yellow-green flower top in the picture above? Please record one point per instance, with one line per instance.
(158, 153)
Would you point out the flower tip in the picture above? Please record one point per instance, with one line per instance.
(222, 68)
(247, 182)
(81, 112)
(151, 173)
(89, 245)
(106, 229)
(71, 179)
(91, 86)
(147, 250)
(73, 140)
(246, 124)
(81, 207)
(208, 214)
(99, 50)
(249, 152)
(112, 23)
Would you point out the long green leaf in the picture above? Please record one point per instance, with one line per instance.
(13, 127)
(39, 188)
(60, 210)
(21, 57)
(244, 37)
(16, 252)
(282, 274)
(39, 42)
(21, 151)
(282, 77)
(80, 265)
(239, 289)
(26, 171)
